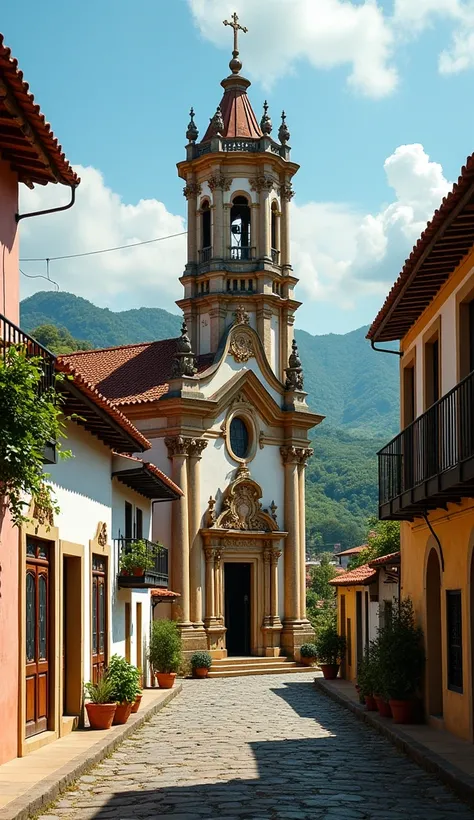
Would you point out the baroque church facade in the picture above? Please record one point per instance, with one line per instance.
(224, 405)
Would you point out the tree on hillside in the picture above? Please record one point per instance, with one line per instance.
(383, 538)
(320, 577)
(58, 339)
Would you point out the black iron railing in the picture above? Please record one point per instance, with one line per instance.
(205, 254)
(242, 253)
(11, 334)
(436, 442)
(154, 575)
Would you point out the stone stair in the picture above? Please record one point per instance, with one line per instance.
(235, 667)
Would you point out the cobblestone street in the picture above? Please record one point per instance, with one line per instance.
(259, 748)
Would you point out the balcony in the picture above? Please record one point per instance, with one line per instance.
(275, 256)
(241, 253)
(431, 462)
(153, 574)
(205, 255)
(10, 334)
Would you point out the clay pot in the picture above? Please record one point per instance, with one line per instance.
(370, 703)
(307, 661)
(165, 679)
(402, 711)
(101, 715)
(136, 704)
(383, 706)
(329, 670)
(138, 571)
(201, 672)
(122, 713)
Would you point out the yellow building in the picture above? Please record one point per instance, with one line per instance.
(427, 471)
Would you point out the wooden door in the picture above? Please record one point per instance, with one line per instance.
(99, 616)
(37, 636)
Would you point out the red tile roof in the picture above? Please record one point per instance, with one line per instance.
(26, 139)
(130, 374)
(391, 558)
(441, 247)
(352, 551)
(154, 470)
(162, 592)
(237, 112)
(91, 392)
(354, 577)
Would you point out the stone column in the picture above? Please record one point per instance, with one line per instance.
(218, 183)
(218, 585)
(191, 192)
(265, 237)
(304, 454)
(196, 448)
(210, 610)
(267, 557)
(292, 546)
(286, 193)
(254, 229)
(275, 618)
(178, 452)
(226, 231)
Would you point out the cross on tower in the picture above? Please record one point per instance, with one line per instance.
(237, 27)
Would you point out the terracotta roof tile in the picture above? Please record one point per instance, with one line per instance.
(237, 112)
(29, 146)
(352, 551)
(130, 374)
(391, 558)
(359, 575)
(155, 471)
(162, 592)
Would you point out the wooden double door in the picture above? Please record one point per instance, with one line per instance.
(38, 619)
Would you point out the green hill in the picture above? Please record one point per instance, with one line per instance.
(354, 387)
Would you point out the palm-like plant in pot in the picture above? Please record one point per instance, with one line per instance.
(402, 658)
(164, 652)
(125, 681)
(201, 663)
(102, 705)
(330, 648)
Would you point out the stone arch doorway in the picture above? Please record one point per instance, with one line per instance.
(434, 665)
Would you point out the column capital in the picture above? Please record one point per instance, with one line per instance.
(305, 453)
(275, 555)
(196, 447)
(192, 190)
(184, 446)
(295, 455)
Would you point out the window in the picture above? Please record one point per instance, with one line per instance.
(239, 437)
(250, 286)
(139, 523)
(128, 520)
(454, 639)
(229, 284)
(274, 226)
(234, 284)
(432, 371)
(206, 224)
(408, 394)
(240, 228)
(99, 615)
(242, 284)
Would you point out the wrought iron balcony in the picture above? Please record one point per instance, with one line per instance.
(11, 334)
(154, 575)
(431, 462)
(205, 255)
(242, 253)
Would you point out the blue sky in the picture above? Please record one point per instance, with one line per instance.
(116, 81)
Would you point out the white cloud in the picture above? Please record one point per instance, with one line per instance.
(340, 254)
(327, 33)
(146, 275)
(415, 16)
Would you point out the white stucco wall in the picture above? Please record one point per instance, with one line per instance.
(204, 333)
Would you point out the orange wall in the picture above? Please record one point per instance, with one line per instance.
(9, 250)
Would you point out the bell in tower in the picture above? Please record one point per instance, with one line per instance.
(238, 189)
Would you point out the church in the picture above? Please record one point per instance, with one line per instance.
(224, 405)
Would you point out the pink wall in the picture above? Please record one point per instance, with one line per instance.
(9, 251)
(9, 546)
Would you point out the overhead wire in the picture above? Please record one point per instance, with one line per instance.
(103, 250)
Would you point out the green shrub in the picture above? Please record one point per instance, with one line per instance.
(400, 653)
(137, 555)
(124, 678)
(330, 647)
(201, 660)
(367, 672)
(100, 692)
(164, 651)
(308, 650)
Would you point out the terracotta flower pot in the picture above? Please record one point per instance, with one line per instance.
(307, 661)
(370, 703)
(165, 679)
(329, 670)
(402, 710)
(122, 713)
(383, 706)
(100, 715)
(138, 571)
(136, 704)
(201, 672)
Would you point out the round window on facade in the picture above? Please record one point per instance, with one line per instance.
(239, 437)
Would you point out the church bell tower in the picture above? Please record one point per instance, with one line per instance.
(238, 186)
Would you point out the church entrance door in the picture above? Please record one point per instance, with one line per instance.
(237, 608)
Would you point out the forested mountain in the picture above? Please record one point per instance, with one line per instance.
(354, 387)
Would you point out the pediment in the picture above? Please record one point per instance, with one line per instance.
(241, 507)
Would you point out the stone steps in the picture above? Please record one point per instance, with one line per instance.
(235, 667)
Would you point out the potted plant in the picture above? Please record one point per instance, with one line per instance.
(101, 707)
(139, 695)
(404, 661)
(201, 663)
(378, 650)
(330, 649)
(365, 680)
(124, 678)
(164, 652)
(308, 654)
(136, 558)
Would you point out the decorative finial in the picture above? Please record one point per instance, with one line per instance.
(266, 123)
(184, 361)
(217, 123)
(241, 316)
(192, 133)
(235, 64)
(294, 371)
(283, 133)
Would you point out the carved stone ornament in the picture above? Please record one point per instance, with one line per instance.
(241, 346)
(196, 447)
(241, 506)
(210, 514)
(243, 544)
(192, 133)
(283, 133)
(184, 362)
(183, 446)
(295, 455)
(261, 183)
(241, 316)
(217, 122)
(102, 535)
(265, 122)
(219, 181)
(286, 191)
(294, 371)
(192, 189)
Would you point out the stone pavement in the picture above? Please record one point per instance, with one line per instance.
(260, 748)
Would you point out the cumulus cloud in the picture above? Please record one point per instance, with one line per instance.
(326, 33)
(145, 275)
(415, 17)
